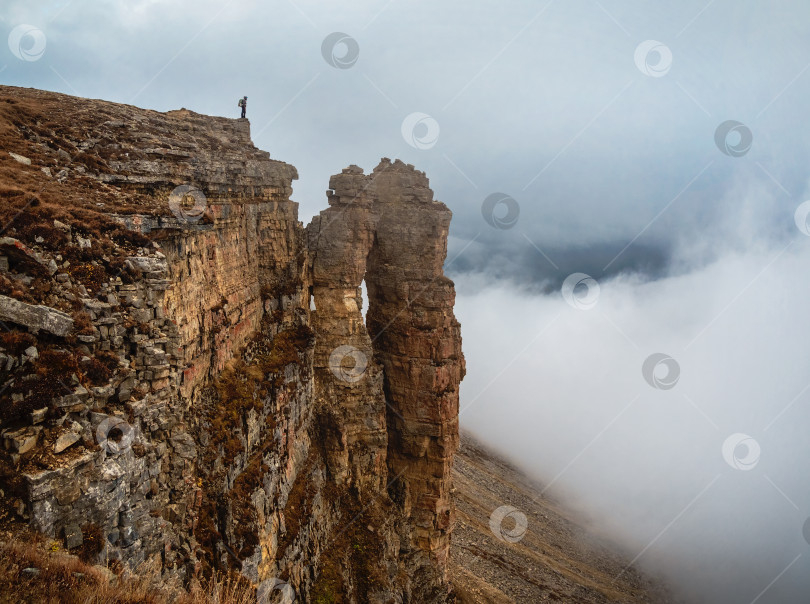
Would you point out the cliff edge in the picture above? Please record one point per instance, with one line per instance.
(188, 385)
(186, 373)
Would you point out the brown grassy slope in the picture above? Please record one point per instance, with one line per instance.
(32, 571)
(52, 131)
(49, 129)
(73, 143)
(555, 561)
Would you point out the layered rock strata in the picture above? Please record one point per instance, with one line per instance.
(385, 228)
(203, 393)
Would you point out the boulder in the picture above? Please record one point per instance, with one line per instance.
(20, 158)
(38, 415)
(73, 536)
(184, 445)
(22, 440)
(22, 257)
(36, 318)
(65, 440)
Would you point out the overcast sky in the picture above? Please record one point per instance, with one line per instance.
(658, 147)
(541, 101)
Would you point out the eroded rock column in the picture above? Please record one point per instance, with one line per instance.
(348, 383)
(387, 227)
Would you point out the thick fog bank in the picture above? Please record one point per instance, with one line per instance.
(695, 462)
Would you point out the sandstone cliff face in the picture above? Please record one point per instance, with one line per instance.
(234, 427)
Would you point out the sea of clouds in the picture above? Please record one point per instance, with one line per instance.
(695, 464)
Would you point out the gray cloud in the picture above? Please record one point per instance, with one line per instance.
(562, 391)
(531, 269)
(548, 106)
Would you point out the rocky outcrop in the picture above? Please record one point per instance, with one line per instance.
(385, 228)
(207, 395)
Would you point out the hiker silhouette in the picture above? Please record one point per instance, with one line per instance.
(243, 105)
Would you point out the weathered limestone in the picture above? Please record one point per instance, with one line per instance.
(35, 317)
(16, 253)
(22, 440)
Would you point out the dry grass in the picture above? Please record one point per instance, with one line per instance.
(39, 126)
(48, 128)
(64, 578)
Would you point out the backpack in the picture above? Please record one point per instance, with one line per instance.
(241, 103)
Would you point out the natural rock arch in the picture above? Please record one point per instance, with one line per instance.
(387, 228)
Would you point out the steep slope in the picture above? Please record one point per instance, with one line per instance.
(551, 558)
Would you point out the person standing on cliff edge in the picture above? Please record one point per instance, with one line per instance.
(243, 105)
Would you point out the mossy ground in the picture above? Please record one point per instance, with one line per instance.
(244, 387)
(355, 553)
